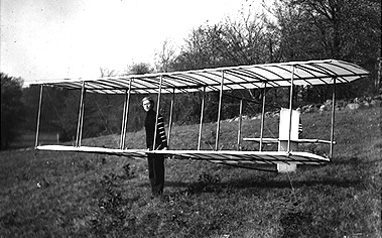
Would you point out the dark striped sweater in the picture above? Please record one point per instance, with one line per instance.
(161, 140)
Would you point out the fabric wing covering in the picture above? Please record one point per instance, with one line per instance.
(304, 73)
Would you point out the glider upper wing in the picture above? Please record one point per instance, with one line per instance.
(320, 72)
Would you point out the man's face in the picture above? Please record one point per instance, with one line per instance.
(147, 105)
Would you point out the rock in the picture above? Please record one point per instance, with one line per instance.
(324, 107)
(375, 103)
(353, 106)
(308, 108)
(328, 102)
(357, 100)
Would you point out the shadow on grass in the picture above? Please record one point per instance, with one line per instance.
(249, 186)
(324, 176)
(263, 183)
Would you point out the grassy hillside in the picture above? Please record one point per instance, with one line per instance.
(56, 194)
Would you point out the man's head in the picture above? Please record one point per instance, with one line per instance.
(147, 103)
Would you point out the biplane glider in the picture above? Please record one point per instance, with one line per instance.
(260, 76)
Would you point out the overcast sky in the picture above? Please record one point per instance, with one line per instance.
(55, 39)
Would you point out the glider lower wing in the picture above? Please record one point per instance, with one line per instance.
(246, 157)
(91, 149)
(223, 156)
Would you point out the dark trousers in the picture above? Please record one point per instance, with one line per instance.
(156, 173)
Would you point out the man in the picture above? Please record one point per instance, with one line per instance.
(155, 162)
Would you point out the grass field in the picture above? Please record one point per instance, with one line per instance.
(56, 194)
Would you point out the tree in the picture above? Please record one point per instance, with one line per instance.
(200, 50)
(246, 39)
(165, 57)
(12, 109)
(242, 40)
(339, 29)
(139, 68)
(105, 72)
